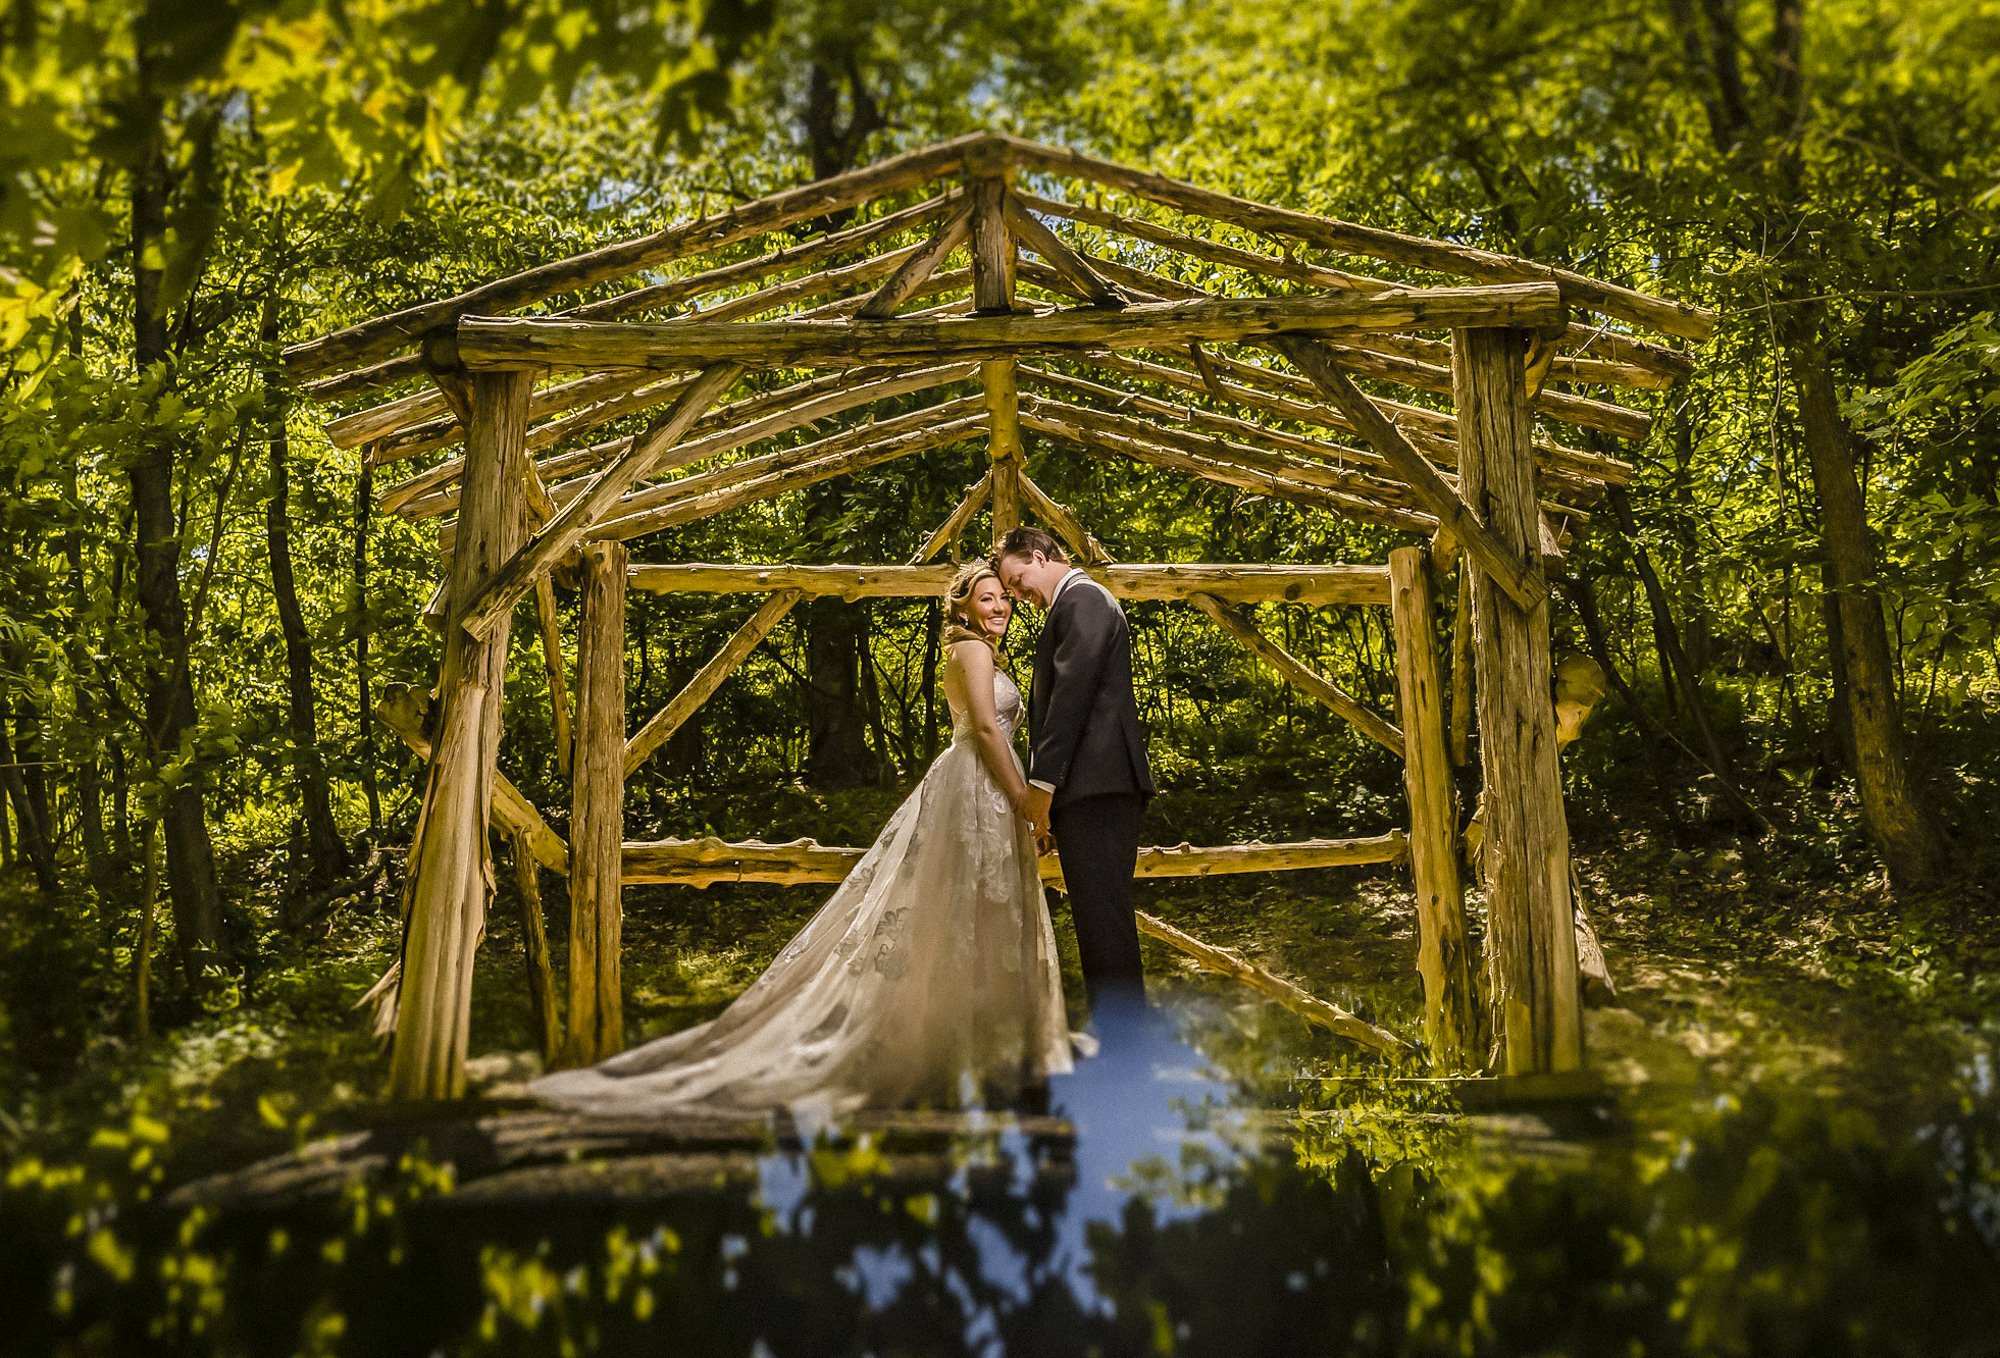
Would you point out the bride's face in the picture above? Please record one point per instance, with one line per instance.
(990, 607)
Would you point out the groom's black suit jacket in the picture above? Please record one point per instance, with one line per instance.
(1083, 722)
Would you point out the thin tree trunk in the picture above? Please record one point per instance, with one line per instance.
(30, 820)
(1667, 637)
(364, 713)
(170, 705)
(326, 853)
(1891, 810)
(89, 740)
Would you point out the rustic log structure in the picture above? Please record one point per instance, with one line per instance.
(1410, 385)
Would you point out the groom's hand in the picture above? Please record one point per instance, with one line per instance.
(1035, 806)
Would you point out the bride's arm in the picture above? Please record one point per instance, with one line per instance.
(973, 661)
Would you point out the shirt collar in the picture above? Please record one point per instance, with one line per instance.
(1064, 583)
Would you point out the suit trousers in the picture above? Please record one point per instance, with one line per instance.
(1097, 840)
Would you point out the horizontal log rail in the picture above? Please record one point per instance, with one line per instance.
(1315, 586)
(709, 861)
(488, 342)
(383, 336)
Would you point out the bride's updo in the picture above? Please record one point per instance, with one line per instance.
(959, 624)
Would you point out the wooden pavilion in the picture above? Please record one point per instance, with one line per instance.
(1067, 321)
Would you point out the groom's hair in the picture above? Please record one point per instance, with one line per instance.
(1024, 540)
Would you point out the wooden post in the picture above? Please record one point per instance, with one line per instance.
(451, 871)
(1443, 952)
(1531, 938)
(993, 291)
(597, 817)
(535, 947)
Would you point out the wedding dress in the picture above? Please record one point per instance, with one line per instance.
(929, 977)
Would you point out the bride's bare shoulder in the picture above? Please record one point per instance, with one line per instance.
(973, 657)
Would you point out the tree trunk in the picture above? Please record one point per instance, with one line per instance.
(170, 706)
(837, 753)
(89, 740)
(326, 853)
(16, 760)
(1891, 810)
(364, 712)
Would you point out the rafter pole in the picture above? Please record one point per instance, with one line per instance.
(1301, 675)
(494, 600)
(698, 690)
(385, 335)
(921, 264)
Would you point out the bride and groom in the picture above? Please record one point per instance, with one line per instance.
(930, 976)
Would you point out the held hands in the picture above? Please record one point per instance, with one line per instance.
(1034, 808)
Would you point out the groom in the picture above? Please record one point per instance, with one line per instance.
(1088, 777)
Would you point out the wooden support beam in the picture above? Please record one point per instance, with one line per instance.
(918, 267)
(1444, 951)
(1610, 299)
(450, 868)
(1313, 586)
(1531, 935)
(405, 710)
(993, 264)
(597, 816)
(1522, 582)
(1231, 963)
(502, 343)
(855, 457)
(1301, 675)
(493, 602)
(709, 861)
(698, 690)
(535, 947)
(1222, 472)
(1032, 232)
(378, 338)
(1062, 522)
(552, 662)
(945, 535)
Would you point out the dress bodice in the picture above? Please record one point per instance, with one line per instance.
(1006, 705)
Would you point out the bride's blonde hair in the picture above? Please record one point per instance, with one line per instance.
(958, 621)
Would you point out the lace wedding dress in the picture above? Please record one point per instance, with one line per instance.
(930, 976)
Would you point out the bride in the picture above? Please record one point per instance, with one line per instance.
(930, 975)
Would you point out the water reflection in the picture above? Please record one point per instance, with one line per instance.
(1151, 1207)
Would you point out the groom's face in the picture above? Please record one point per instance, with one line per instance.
(1017, 576)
